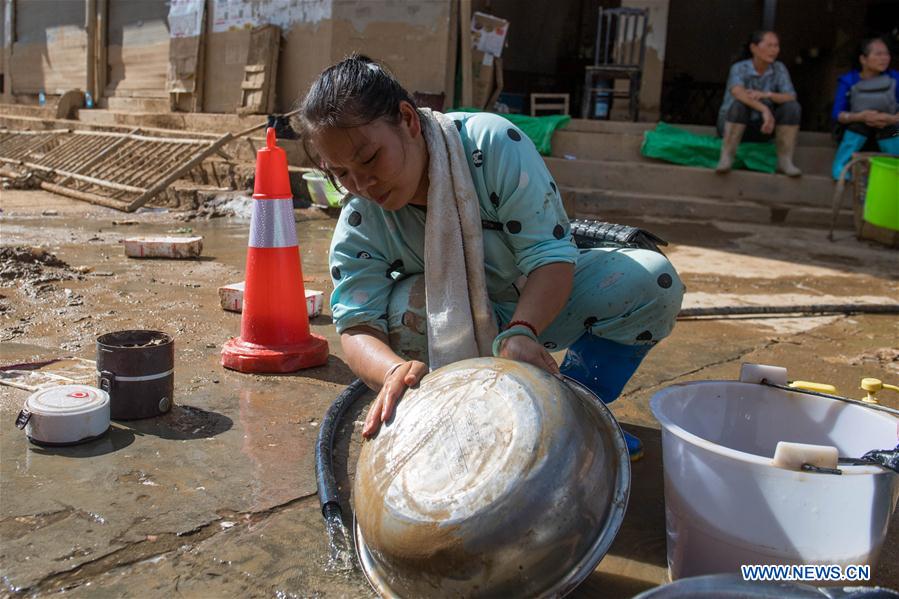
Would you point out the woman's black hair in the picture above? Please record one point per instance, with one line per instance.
(864, 48)
(756, 37)
(354, 92)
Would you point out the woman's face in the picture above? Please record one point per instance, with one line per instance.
(878, 58)
(381, 162)
(767, 49)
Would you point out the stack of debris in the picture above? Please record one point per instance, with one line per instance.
(118, 170)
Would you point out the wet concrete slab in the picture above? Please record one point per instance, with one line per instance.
(217, 498)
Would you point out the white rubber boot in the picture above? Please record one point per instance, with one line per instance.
(786, 144)
(733, 133)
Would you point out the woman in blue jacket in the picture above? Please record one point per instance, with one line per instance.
(867, 104)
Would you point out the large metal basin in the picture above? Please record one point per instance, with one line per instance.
(493, 479)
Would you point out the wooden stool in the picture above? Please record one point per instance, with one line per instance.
(549, 102)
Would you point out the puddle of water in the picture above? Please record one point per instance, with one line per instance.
(277, 439)
(16, 353)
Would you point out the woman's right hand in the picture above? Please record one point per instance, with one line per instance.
(407, 374)
(525, 349)
(767, 121)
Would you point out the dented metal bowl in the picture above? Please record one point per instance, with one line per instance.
(493, 479)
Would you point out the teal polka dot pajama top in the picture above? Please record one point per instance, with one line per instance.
(629, 296)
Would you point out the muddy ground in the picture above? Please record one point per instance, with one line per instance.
(218, 498)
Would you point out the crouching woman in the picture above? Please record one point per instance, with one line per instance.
(455, 244)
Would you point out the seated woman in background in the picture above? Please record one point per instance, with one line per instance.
(866, 104)
(759, 101)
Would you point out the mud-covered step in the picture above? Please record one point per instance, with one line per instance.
(604, 204)
(28, 110)
(138, 104)
(662, 178)
(187, 121)
(806, 138)
(622, 147)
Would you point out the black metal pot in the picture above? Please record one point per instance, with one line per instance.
(137, 369)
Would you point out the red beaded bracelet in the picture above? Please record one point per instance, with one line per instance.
(523, 323)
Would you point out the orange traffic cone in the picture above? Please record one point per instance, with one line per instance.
(274, 326)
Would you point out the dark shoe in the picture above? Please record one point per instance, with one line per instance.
(634, 446)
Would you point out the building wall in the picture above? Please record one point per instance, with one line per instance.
(306, 51)
(819, 50)
(226, 55)
(706, 36)
(654, 59)
(137, 48)
(411, 37)
(50, 49)
(50, 52)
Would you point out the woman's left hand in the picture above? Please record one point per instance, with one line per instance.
(525, 349)
(879, 120)
(408, 374)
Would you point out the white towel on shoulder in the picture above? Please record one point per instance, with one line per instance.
(461, 323)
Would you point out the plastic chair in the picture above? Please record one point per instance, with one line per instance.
(859, 167)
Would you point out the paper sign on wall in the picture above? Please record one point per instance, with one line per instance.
(240, 14)
(186, 18)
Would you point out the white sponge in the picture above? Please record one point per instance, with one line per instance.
(793, 455)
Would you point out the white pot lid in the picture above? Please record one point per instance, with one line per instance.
(66, 400)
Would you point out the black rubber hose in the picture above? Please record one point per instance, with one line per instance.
(328, 495)
(801, 309)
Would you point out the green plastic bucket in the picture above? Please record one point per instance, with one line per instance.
(322, 192)
(882, 195)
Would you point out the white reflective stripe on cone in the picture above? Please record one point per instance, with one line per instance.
(272, 224)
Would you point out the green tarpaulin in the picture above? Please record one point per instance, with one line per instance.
(673, 144)
(539, 128)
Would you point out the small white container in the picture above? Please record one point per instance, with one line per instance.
(65, 415)
(726, 504)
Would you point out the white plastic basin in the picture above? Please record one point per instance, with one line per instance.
(726, 505)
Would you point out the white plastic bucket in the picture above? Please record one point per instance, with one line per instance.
(726, 505)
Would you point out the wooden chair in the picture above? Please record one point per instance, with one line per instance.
(619, 54)
(549, 102)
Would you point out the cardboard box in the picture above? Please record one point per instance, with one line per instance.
(488, 34)
(488, 37)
